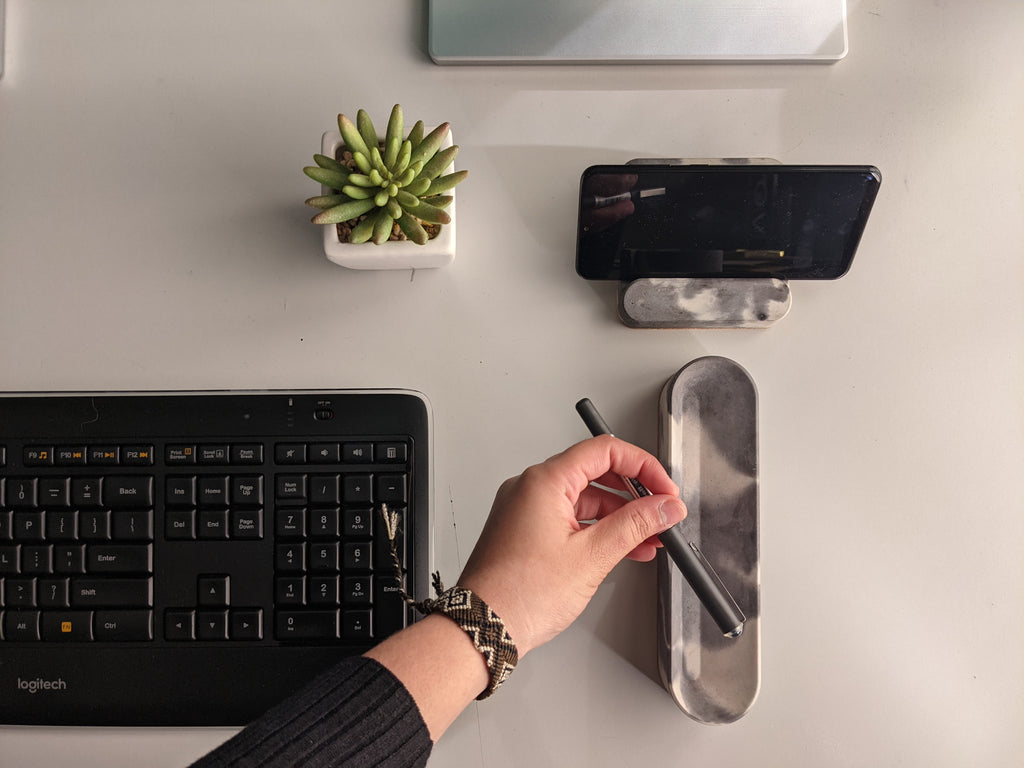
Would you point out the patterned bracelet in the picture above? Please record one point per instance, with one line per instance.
(485, 628)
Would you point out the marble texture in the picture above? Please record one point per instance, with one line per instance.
(704, 302)
(709, 444)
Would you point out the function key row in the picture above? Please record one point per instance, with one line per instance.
(79, 455)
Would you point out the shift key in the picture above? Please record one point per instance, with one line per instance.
(119, 558)
(112, 593)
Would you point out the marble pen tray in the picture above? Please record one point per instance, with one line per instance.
(708, 442)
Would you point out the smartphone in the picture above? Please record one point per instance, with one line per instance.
(794, 222)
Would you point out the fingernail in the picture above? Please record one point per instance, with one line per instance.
(671, 511)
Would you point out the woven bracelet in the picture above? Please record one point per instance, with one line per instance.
(485, 628)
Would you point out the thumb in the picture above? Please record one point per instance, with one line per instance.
(619, 533)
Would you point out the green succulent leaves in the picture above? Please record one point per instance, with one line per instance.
(394, 179)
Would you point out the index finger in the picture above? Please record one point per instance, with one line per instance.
(603, 456)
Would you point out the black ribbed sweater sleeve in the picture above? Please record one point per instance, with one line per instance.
(356, 714)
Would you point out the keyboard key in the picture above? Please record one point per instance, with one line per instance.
(357, 522)
(88, 592)
(324, 453)
(307, 625)
(137, 455)
(212, 625)
(391, 489)
(103, 455)
(37, 560)
(37, 455)
(214, 591)
(357, 453)
(323, 590)
(358, 590)
(28, 526)
(54, 593)
(247, 490)
(213, 454)
(69, 558)
(323, 523)
(246, 524)
(290, 590)
(178, 455)
(128, 490)
(19, 593)
(290, 523)
(85, 492)
(358, 489)
(180, 491)
(397, 453)
(290, 487)
(10, 560)
(119, 558)
(67, 626)
(22, 492)
(290, 558)
(70, 455)
(213, 524)
(323, 556)
(213, 491)
(248, 453)
(6, 518)
(21, 626)
(357, 556)
(132, 525)
(62, 526)
(389, 609)
(123, 626)
(324, 489)
(357, 625)
(55, 492)
(180, 624)
(290, 453)
(382, 557)
(180, 524)
(94, 526)
(247, 624)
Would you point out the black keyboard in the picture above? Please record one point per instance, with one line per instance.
(192, 558)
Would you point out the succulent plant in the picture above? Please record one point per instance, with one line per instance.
(394, 180)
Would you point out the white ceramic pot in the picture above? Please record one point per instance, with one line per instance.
(394, 254)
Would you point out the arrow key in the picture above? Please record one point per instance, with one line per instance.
(247, 624)
(180, 624)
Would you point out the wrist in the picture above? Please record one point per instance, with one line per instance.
(486, 630)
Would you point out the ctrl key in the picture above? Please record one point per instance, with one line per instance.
(307, 625)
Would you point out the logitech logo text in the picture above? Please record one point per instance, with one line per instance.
(34, 686)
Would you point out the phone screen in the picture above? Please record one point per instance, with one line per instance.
(790, 222)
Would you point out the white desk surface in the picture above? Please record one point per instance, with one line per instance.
(152, 236)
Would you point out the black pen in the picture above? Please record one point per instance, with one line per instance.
(709, 588)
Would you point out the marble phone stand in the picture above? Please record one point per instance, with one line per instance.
(703, 302)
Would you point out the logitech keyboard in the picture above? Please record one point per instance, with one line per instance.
(192, 558)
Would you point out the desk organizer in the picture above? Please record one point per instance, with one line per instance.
(703, 302)
(708, 443)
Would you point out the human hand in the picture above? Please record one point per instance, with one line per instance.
(612, 189)
(537, 563)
